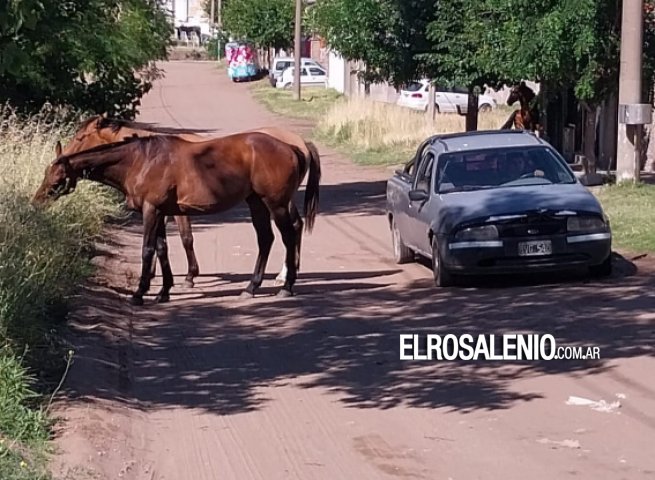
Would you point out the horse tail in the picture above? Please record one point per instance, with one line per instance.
(311, 191)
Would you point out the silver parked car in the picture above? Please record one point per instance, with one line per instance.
(495, 202)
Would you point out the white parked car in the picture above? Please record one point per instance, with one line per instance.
(280, 64)
(416, 94)
(310, 75)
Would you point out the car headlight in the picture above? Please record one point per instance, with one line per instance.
(486, 232)
(586, 224)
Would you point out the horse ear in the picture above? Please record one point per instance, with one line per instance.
(58, 149)
(523, 84)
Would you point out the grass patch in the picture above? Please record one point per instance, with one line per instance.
(631, 210)
(44, 255)
(369, 132)
(314, 104)
(386, 134)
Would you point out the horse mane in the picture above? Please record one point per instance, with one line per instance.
(117, 123)
(153, 147)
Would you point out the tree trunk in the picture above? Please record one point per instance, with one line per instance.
(472, 111)
(590, 138)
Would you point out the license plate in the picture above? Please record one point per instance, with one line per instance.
(535, 248)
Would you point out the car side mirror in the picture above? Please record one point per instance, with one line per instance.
(418, 195)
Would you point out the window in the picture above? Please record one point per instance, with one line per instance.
(424, 178)
(303, 72)
(281, 66)
(316, 71)
(500, 167)
(414, 87)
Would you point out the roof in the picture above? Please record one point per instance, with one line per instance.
(482, 139)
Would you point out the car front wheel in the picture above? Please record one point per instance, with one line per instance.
(442, 276)
(602, 270)
(401, 253)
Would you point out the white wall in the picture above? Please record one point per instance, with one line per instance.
(336, 72)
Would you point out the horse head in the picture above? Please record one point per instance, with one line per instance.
(520, 93)
(60, 179)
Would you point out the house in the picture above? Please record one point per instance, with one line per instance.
(188, 16)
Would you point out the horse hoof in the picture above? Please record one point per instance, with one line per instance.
(285, 293)
(246, 295)
(188, 284)
(162, 298)
(137, 301)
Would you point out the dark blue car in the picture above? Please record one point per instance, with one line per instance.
(496, 201)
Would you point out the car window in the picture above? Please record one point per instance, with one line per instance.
(283, 65)
(424, 176)
(316, 71)
(303, 72)
(500, 167)
(462, 90)
(414, 87)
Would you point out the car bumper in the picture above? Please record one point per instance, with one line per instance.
(501, 256)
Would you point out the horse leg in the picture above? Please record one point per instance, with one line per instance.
(261, 220)
(285, 224)
(151, 220)
(162, 254)
(184, 227)
(510, 122)
(297, 226)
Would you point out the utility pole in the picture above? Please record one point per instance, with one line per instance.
(632, 113)
(220, 27)
(431, 101)
(296, 50)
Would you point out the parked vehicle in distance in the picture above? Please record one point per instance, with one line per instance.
(241, 61)
(280, 64)
(309, 76)
(448, 100)
(495, 202)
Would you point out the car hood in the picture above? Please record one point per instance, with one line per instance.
(461, 207)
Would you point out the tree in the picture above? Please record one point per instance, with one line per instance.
(94, 55)
(385, 35)
(266, 23)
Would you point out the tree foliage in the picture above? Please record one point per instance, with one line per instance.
(384, 34)
(476, 42)
(266, 23)
(94, 55)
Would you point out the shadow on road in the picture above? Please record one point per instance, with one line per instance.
(343, 337)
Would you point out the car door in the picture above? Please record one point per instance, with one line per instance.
(318, 76)
(418, 211)
(304, 76)
(444, 100)
(460, 98)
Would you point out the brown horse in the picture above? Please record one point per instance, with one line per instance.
(527, 117)
(165, 175)
(99, 130)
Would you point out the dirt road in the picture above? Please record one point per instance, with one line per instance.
(210, 386)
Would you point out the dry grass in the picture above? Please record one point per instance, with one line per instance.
(385, 133)
(44, 255)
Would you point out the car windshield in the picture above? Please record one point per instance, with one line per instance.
(502, 167)
(414, 87)
(283, 65)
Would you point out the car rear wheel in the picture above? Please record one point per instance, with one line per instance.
(401, 253)
(602, 270)
(486, 108)
(442, 276)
